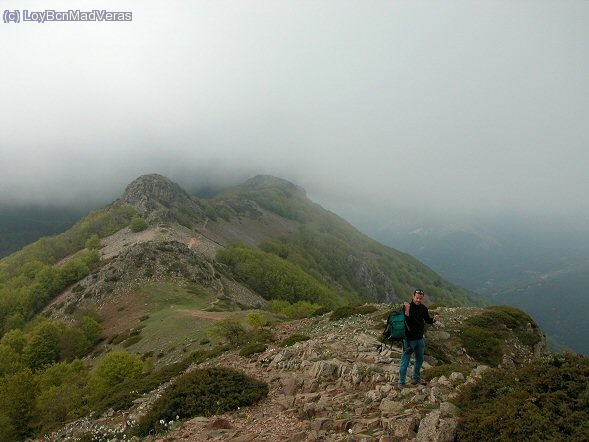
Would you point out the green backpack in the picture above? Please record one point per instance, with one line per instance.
(395, 327)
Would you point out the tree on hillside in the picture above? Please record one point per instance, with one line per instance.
(114, 368)
(61, 397)
(10, 361)
(93, 243)
(42, 347)
(17, 403)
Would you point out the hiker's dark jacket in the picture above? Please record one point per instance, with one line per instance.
(415, 322)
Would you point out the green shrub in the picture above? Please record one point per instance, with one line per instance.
(253, 348)
(185, 215)
(321, 311)
(117, 339)
(131, 340)
(138, 224)
(547, 399)
(231, 330)
(126, 392)
(348, 310)
(434, 307)
(112, 370)
(200, 356)
(257, 320)
(93, 242)
(435, 350)
(293, 339)
(202, 393)
(298, 310)
(447, 370)
(485, 345)
(71, 308)
(263, 336)
(120, 398)
(483, 335)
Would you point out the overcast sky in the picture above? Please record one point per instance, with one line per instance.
(457, 106)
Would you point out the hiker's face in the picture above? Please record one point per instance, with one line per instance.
(417, 298)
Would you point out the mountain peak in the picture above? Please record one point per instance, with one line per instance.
(266, 181)
(154, 193)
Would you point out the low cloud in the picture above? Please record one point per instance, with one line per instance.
(392, 104)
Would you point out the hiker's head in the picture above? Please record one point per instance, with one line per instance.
(418, 296)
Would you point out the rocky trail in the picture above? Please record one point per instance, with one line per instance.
(336, 386)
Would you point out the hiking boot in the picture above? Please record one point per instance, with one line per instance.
(401, 386)
(419, 381)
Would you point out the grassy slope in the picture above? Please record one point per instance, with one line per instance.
(172, 321)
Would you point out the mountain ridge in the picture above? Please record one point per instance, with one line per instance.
(263, 209)
(197, 229)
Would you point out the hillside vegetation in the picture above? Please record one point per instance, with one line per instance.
(331, 250)
(30, 278)
(547, 399)
(331, 353)
(275, 278)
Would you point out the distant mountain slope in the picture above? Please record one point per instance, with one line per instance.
(277, 216)
(559, 301)
(20, 226)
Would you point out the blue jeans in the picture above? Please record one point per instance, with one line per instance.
(417, 347)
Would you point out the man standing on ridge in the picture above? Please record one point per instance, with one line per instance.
(416, 315)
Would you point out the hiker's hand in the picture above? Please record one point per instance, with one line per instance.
(406, 305)
(436, 317)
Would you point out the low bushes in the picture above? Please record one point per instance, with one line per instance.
(231, 331)
(350, 310)
(483, 336)
(293, 339)
(298, 310)
(545, 400)
(138, 224)
(202, 393)
(125, 393)
(447, 370)
(253, 348)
